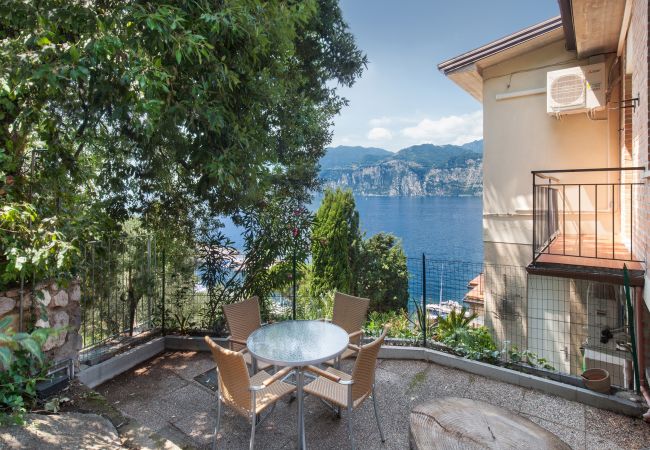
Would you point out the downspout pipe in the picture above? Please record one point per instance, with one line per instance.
(638, 328)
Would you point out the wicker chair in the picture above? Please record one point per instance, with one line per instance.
(341, 390)
(350, 314)
(243, 318)
(248, 396)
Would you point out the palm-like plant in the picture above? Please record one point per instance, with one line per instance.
(455, 322)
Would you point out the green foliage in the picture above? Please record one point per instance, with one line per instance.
(382, 273)
(158, 110)
(183, 312)
(453, 322)
(316, 307)
(514, 356)
(273, 236)
(336, 239)
(472, 343)
(401, 325)
(456, 331)
(32, 246)
(23, 365)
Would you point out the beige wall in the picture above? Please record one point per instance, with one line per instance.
(519, 136)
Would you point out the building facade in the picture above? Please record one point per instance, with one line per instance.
(567, 182)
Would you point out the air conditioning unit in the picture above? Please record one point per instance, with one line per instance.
(576, 89)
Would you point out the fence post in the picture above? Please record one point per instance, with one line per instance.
(22, 296)
(424, 301)
(162, 324)
(293, 279)
(149, 312)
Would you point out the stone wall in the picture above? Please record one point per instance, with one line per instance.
(52, 305)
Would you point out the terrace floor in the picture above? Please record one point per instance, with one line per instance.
(163, 395)
(591, 251)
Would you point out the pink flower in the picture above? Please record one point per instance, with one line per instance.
(295, 232)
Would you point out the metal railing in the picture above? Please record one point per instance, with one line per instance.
(582, 213)
(557, 326)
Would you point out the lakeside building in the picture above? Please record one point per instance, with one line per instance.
(567, 182)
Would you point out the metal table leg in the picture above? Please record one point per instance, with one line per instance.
(301, 409)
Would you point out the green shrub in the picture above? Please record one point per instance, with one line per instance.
(473, 343)
(400, 323)
(456, 331)
(23, 365)
(514, 356)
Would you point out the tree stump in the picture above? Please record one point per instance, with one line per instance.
(461, 423)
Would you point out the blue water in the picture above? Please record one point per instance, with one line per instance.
(445, 228)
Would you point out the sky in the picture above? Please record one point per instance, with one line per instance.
(402, 99)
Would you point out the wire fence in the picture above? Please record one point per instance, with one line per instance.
(553, 325)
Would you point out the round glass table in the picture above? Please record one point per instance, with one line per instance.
(298, 343)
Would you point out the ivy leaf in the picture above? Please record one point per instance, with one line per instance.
(5, 357)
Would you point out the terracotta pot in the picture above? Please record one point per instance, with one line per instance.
(597, 380)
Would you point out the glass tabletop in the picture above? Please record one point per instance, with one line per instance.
(297, 342)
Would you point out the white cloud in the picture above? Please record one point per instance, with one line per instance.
(380, 121)
(380, 134)
(455, 130)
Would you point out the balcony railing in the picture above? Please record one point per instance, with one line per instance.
(585, 213)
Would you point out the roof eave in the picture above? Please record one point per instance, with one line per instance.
(473, 56)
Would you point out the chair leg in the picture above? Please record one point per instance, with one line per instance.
(350, 414)
(216, 427)
(374, 404)
(253, 417)
(253, 420)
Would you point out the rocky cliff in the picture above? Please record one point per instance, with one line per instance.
(435, 171)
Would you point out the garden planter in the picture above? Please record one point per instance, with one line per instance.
(597, 380)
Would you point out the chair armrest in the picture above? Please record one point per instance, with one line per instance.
(243, 350)
(279, 374)
(256, 388)
(324, 374)
(236, 341)
(355, 334)
(356, 348)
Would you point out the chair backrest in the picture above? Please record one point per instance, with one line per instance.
(243, 318)
(350, 312)
(363, 373)
(233, 378)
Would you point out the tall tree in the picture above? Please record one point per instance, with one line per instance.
(335, 243)
(383, 274)
(113, 108)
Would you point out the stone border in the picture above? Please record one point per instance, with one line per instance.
(96, 375)
(567, 391)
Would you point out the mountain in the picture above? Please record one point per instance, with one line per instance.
(474, 146)
(344, 156)
(420, 170)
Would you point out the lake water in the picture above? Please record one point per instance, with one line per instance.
(445, 228)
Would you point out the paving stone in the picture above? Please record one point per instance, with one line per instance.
(627, 432)
(575, 438)
(595, 442)
(61, 431)
(495, 392)
(554, 409)
(187, 365)
(163, 395)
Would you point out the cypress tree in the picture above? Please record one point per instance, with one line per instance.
(335, 243)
